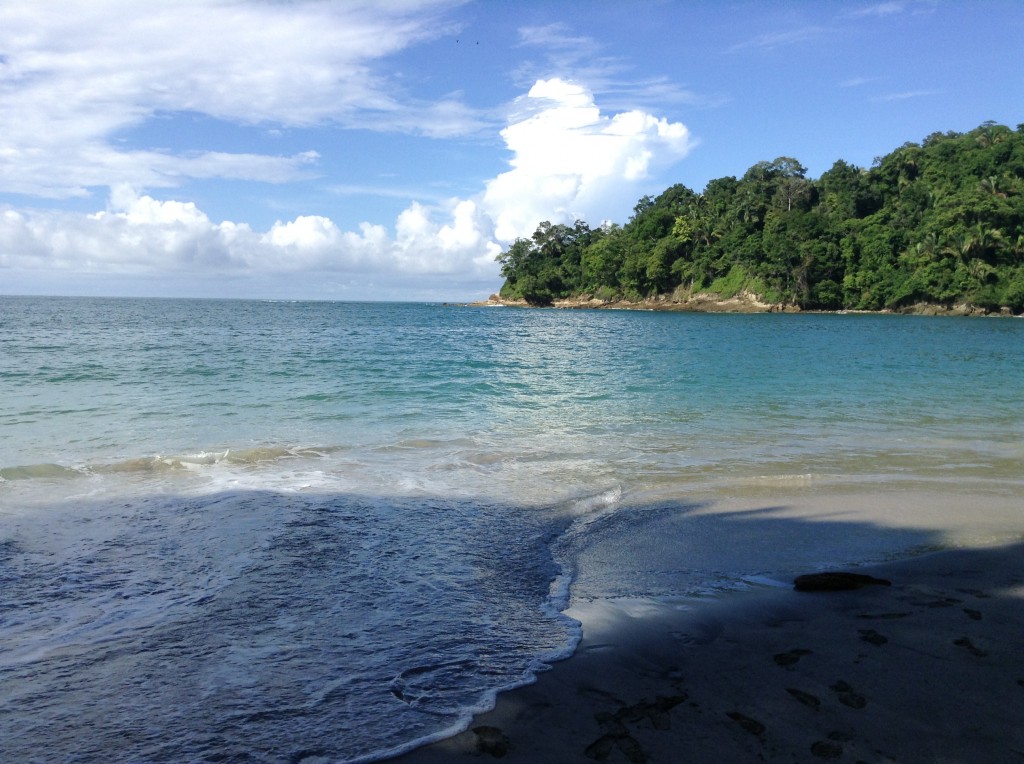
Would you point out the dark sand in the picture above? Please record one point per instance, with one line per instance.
(929, 669)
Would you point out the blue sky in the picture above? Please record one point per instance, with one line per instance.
(389, 150)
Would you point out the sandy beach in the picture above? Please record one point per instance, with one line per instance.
(928, 669)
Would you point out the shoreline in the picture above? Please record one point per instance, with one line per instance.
(706, 302)
(927, 669)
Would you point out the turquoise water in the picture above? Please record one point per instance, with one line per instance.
(277, 530)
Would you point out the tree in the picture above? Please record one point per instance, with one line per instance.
(601, 261)
(939, 222)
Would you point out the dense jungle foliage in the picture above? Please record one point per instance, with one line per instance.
(939, 222)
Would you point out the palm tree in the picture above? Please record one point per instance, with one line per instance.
(993, 185)
(990, 133)
(980, 270)
(962, 246)
(928, 247)
(985, 240)
(906, 164)
(1017, 248)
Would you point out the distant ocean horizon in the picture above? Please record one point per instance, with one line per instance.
(276, 530)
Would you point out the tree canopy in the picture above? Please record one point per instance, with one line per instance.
(939, 222)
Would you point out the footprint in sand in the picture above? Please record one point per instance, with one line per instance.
(753, 726)
(965, 643)
(882, 616)
(602, 748)
(872, 637)
(975, 593)
(939, 602)
(617, 734)
(804, 697)
(974, 615)
(491, 740)
(827, 749)
(831, 748)
(656, 712)
(791, 657)
(847, 696)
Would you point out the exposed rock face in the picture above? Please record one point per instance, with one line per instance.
(836, 581)
(701, 302)
(744, 302)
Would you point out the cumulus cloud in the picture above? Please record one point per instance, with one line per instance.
(567, 160)
(140, 234)
(570, 161)
(93, 91)
(135, 234)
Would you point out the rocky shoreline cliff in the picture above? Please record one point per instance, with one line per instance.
(744, 302)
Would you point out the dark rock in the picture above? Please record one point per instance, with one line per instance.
(836, 581)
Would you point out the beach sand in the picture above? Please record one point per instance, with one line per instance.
(929, 669)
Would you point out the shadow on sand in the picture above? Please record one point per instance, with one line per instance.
(202, 627)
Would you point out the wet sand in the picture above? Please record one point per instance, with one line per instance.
(929, 669)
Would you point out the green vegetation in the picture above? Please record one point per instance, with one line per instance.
(941, 222)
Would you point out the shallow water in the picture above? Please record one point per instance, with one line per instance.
(267, 531)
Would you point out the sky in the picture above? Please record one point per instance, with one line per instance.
(390, 150)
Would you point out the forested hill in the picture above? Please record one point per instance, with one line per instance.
(940, 222)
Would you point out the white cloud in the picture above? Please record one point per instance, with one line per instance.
(571, 161)
(878, 9)
(306, 232)
(568, 160)
(135, 234)
(85, 85)
(773, 40)
(555, 36)
(76, 74)
(856, 82)
(140, 234)
(573, 57)
(907, 95)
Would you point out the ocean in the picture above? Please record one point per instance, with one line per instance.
(330, 532)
